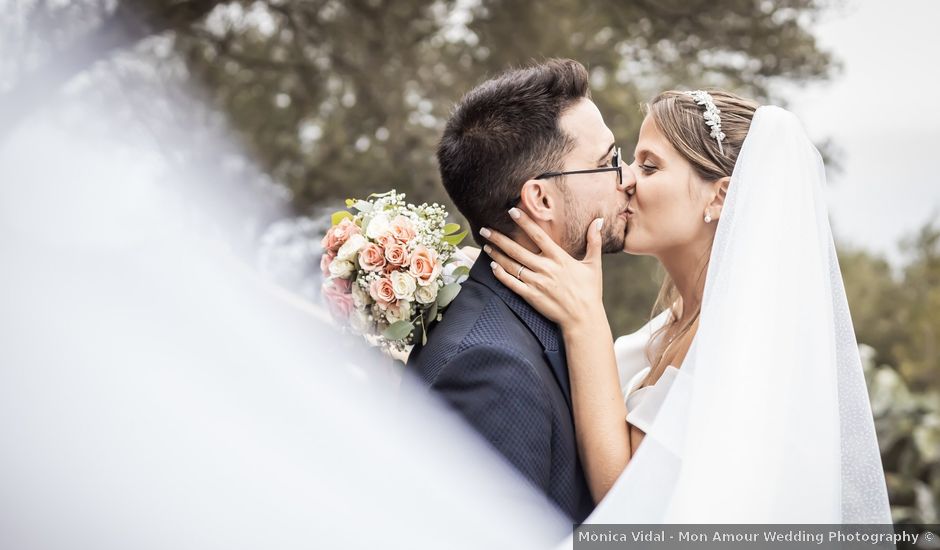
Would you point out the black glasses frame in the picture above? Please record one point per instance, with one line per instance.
(615, 160)
(616, 167)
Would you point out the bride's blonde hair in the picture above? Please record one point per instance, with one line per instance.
(682, 122)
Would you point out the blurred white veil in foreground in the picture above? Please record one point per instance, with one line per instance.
(155, 394)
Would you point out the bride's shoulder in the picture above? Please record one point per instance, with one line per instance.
(630, 349)
(645, 332)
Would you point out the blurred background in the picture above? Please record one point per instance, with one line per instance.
(297, 105)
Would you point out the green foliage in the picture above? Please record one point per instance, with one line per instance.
(455, 240)
(339, 216)
(899, 314)
(462, 271)
(908, 427)
(398, 330)
(447, 294)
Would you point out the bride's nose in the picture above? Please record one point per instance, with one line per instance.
(628, 180)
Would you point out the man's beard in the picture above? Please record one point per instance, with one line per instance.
(577, 227)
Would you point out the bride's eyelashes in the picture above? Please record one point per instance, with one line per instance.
(648, 169)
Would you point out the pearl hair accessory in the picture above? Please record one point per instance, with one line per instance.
(712, 115)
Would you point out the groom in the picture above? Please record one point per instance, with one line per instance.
(493, 358)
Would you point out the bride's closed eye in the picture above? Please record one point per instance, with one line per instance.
(648, 169)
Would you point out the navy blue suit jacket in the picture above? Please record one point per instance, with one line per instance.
(502, 366)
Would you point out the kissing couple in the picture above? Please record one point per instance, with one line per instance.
(743, 399)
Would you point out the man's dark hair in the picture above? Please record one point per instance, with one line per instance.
(505, 132)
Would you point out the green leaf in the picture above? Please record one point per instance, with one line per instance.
(455, 240)
(398, 330)
(350, 203)
(462, 271)
(339, 216)
(447, 294)
(432, 313)
(451, 228)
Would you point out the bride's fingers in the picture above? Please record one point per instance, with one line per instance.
(511, 248)
(512, 282)
(594, 241)
(508, 264)
(538, 235)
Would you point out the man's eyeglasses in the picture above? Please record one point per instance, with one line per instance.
(615, 166)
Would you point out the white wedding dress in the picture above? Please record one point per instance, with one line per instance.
(633, 367)
(768, 418)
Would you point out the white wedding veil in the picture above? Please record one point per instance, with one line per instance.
(768, 420)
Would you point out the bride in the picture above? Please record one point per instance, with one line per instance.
(743, 401)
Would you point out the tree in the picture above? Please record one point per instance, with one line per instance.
(898, 314)
(916, 351)
(343, 99)
(338, 99)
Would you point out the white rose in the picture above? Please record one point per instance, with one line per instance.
(449, 269)
(360, 296)
(359, 321)
(404, 285)
(427, 294)
(351, 247)
(342, 269)
(378, 226)
(400, 313)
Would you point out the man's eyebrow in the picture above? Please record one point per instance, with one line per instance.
(607, 152)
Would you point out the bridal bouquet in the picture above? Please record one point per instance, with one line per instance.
(391, 268)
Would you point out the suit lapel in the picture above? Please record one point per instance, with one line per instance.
(544, 330)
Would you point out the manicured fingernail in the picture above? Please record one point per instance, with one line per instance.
(485, 233)
(599, 223)
(487, 248)
(494, 265)
(514, 213)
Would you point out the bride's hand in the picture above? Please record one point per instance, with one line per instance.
(563, 289)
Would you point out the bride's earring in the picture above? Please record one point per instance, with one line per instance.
(708, 216)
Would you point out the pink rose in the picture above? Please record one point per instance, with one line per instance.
(402, 228)
(386, 240)
(383, 293)
(372, 257)
(337, 235)
(424, 265)
(343, 285)
(325, 262)
(339, 299)
(397, 255)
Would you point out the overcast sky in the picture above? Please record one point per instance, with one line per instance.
(883, 112)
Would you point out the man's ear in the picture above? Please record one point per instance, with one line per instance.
(719, 190)
(537, 201)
